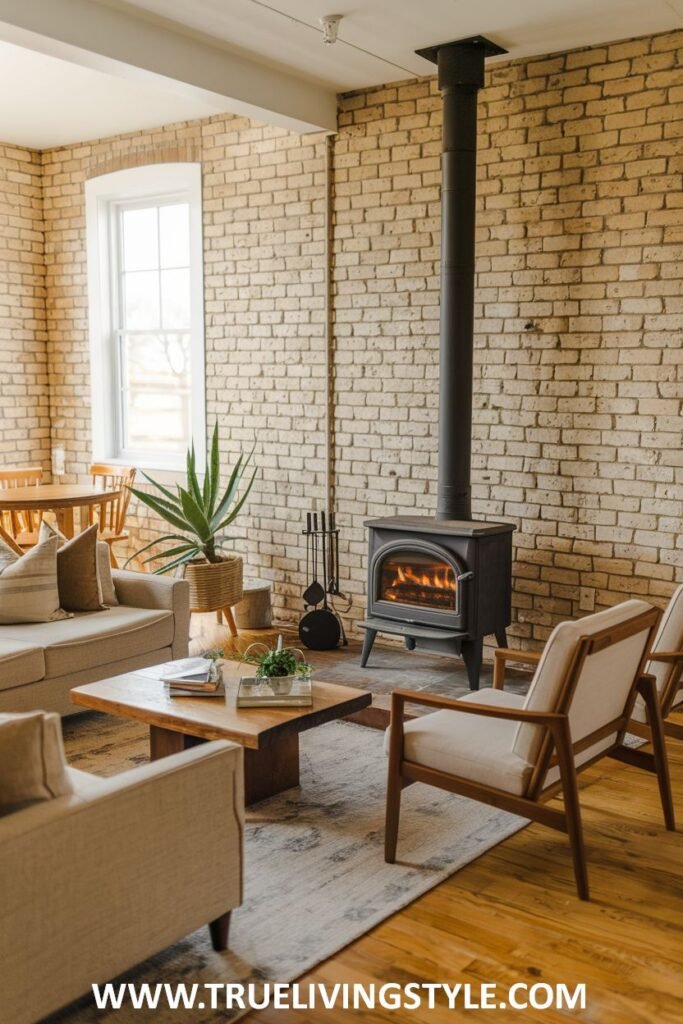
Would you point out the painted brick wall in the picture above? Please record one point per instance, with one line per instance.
(577, 433)
(579, 317)
(264, 203)
(24, 409)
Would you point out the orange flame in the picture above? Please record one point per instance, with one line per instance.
(407, 577)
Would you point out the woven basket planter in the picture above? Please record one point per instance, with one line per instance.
(214, 585)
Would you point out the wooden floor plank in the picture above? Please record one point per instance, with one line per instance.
(512, 915)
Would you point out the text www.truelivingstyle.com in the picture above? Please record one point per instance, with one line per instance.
(388, 996)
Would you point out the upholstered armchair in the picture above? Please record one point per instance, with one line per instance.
(665, 663)
(516, 752)
(107, 872)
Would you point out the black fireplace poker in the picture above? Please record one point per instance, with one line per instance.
(461, 75)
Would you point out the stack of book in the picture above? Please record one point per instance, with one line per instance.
(193, 677)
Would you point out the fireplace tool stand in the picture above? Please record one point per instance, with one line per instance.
(321, 628)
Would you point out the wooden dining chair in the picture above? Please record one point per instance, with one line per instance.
(665, 663)
(110, 515)
(516, 752)
(22, 526)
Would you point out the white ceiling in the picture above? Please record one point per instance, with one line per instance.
(378, 38)
(51, 102)
(75, 91)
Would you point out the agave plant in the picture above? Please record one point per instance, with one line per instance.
(198, 512)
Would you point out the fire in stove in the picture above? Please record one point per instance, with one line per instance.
(424, 583)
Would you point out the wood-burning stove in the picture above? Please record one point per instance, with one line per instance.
(443, 585)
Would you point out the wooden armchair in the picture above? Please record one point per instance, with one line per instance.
(665, 663)
(516, 752)
(111, 515)
(22, 526)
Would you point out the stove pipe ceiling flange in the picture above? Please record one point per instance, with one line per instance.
(461, 75)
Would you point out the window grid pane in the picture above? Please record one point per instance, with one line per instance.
(155, 391)
(154, 332)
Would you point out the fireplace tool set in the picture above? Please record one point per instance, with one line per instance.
(321, 627)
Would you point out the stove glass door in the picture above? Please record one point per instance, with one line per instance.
(418, 579)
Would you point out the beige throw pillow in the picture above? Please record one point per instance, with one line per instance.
(28, 584)
(32, 761)
(79, 583)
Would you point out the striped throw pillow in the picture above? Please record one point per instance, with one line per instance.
(28, 584)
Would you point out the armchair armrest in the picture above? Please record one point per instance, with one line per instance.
(146, 590)
(504, 654)
(400, 697)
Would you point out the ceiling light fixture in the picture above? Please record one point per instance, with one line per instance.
(330, 27)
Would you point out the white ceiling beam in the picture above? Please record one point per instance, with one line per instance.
(108, 37)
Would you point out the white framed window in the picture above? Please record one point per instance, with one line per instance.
(146, 315)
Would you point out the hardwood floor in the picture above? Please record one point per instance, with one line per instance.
(513, 916)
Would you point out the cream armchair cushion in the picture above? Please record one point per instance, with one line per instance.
(32, 762)
(593, 703)
(480, 749)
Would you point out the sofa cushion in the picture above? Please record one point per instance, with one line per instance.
(32, 762)
(97, 638)
(469, 746)
(20, 663)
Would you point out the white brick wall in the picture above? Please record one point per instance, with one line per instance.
(577, 419)
(24, 410)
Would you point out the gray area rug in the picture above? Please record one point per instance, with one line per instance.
(315, 877)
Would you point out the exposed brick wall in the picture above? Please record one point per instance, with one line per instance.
(578, 363)
(24, 410)
(264, 199)
(577, 432)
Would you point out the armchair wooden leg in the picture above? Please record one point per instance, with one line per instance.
(394, 779)
(220, 930)
(393, 815)
(113, 561)
(572, 808)
(648, 690)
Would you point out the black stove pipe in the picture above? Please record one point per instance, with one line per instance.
(461, 75)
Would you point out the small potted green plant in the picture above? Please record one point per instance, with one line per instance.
(200, 513)
(279, 666)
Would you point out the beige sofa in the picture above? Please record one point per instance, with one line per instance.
(41, 662)
(94, 882)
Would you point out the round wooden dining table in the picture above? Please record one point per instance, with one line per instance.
(61, 499)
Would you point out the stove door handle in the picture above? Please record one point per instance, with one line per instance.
(464, 576)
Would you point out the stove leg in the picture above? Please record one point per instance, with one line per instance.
(501, 638)
(369, 640)
(472, 654)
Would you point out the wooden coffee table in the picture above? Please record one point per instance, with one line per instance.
(269, 736)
